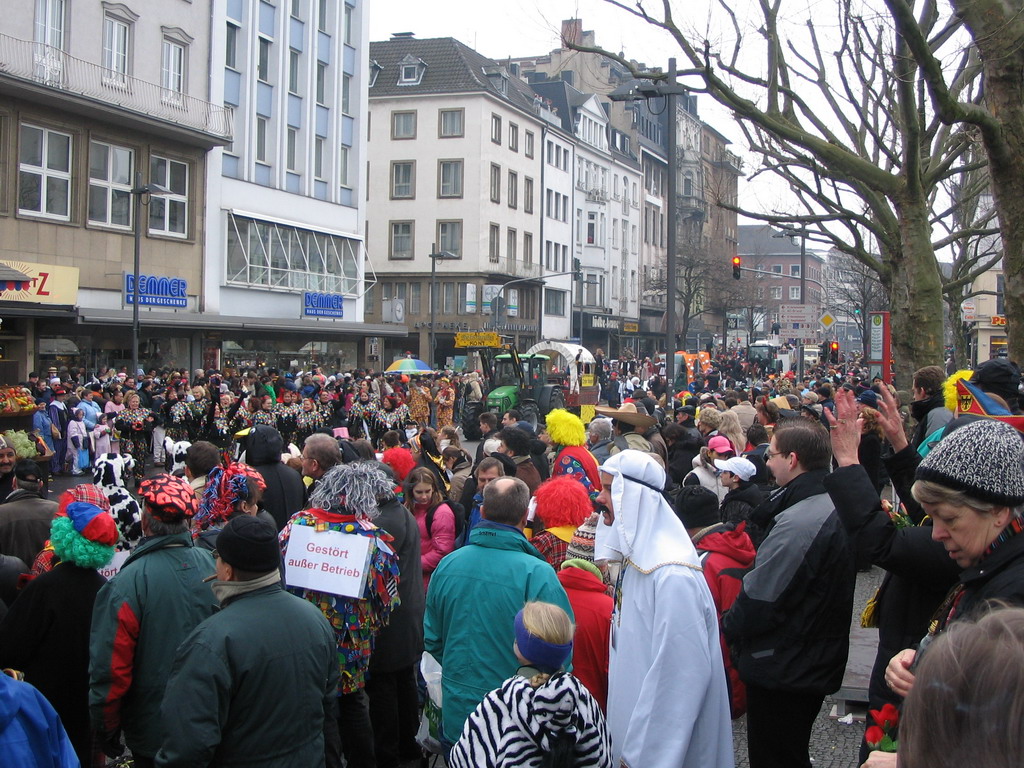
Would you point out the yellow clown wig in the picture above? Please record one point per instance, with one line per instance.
(565, 428)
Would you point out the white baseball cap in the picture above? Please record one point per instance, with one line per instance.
(744, 469)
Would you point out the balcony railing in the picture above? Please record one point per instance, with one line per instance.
(53, 68)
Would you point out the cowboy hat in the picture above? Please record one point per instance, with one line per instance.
(627, 413)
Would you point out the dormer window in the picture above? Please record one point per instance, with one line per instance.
(375, 70)
(410, 70)
(498, 78)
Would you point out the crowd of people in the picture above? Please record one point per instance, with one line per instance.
(611, 593)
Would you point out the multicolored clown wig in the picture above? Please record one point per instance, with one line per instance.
(225, 488)
(83, 532)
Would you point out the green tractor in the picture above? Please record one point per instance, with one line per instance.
(521, 382)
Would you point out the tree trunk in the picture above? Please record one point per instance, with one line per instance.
(998, 31)
(914, 288)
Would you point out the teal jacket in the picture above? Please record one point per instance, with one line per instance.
(472, 602)
(139, 620)
(252, 686)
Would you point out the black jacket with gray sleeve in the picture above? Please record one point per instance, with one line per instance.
(790, 626)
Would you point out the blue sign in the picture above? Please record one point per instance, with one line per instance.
(322, 304)
(156, 290)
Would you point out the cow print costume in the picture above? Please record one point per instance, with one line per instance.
(108, 473)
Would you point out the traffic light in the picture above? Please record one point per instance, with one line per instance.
(833, 349)
(577, 270)
(736, 267)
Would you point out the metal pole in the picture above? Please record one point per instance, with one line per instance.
(433, 300)
(673, 223)
(803, 293)
(137, 196)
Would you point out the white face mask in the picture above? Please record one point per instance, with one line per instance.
(444, 444)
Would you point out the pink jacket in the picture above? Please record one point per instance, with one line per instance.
(433, 548)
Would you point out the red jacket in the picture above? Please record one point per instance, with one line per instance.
(592, 609)
(726, 555)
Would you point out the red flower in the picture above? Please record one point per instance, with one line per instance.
(873, 736)
(887, 717)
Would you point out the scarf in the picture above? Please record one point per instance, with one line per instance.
(226, 591)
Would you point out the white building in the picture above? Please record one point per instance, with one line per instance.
(285, 269)
(456, 166)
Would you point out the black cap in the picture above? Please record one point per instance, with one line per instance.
(697, 506)
(249, 544)
(999, 377)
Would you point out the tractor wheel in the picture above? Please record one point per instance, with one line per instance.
(530, 414)
(470, 421)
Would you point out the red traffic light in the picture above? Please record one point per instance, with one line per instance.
(834, 346)
(735, 267)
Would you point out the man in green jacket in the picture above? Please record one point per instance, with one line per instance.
(141, 616)
(473, 599)
(255, 683)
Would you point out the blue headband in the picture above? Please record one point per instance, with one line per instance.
(546, 656)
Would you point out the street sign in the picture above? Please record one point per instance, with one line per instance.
(477, 339)
(802, 314)
(968, 310)
(827, 320)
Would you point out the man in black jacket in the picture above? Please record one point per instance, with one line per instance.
(391, 685)
(25, 515)
(790, 626)
(285, 493)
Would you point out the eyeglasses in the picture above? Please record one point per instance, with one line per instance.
(215, 554)
(773, 454)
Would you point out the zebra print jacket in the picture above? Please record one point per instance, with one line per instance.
(515, 725)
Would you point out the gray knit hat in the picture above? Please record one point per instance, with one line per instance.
(983, 459)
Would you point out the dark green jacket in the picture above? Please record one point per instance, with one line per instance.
(140, 618)
(252, 685)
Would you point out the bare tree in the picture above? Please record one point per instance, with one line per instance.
(840, 116)
(997, 27)
(854, 290)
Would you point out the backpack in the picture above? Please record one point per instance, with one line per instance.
(459, 512)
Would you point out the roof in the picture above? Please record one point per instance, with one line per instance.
(451, 67)
(762, 240)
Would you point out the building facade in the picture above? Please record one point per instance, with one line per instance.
(461, 199)
(97, 99)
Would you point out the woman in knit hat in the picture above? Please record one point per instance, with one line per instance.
(46, 633)
(972, 487)
(541, 717)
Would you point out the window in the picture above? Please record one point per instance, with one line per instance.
(528, 144)
(777, 269)
(50, 23)
(513, 190)
(293, 71)
(495, 183)
(292, 149)
(349, 11)
(411, 70)
(467, 299)
(44, 173)
(296, 9)
(511, 241)
(115, 49)
(261, 139)
(269, 255)
(450, 123)
(759, 293)
(415, 298)
(794, 270)
(554, 302)
(591, 228)
(321, 15)
(496, 129)
(527, 195)
(494, 243)
(172, 70)
(318, 157)
(168, 213)
(528, 248)
(343, 153)
(231, 46)
(794, 293)
(402, 179)
(346, 94)
(409, 73)
(449, 236)
(403, 125)
(513, 137)
(777, 292)
(448, 298)
(1000, 294)
(321, 83)
(263, 60)
(449, 174)
(110, 184)
(401, 240)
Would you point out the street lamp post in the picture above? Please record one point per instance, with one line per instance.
(434, 256)
(139, 191)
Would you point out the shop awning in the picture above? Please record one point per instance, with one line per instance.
(228, 322)
(11, 280)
